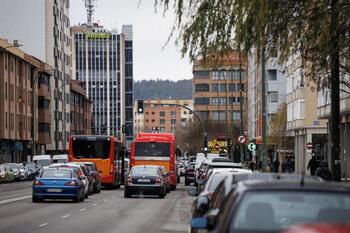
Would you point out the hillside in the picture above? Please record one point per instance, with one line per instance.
(163, 89)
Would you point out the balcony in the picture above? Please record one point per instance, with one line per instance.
(44, 138)
(44, 91)
(44, 116)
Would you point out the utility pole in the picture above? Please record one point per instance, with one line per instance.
(34, 78)
(242, 150)
(263, 109)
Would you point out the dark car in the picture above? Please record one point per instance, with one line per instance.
(190, 173)
(92, 168)
(276, 204)
(58, 183)
(144, 179)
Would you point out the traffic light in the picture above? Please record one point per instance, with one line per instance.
(140, 106)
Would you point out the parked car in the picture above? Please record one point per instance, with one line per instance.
(319, 228)
(166, 176)
(58, 183)
(275, 205)
(61, 158)
(12, 167)
(32, 170)
(145, 179)
(23, 173)
(190, 174)
(9, 175)
(89, 176)
(2, 173)
(80, 172)
(92, 168)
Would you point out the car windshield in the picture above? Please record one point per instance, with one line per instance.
(91, 147)
(214, 182)
(272, 211)
(56, 173)
(43, 162)
(30, 165)
(144, 171)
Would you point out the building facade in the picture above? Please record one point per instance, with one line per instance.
(303, 124)
(80, 110)
(216, 89)
(102, 61)
(275, 83)
(324, 112)
(48, 39)
(24, 104)
(164, 116)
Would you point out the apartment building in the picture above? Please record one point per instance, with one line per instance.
(303, 124)
(275, 86)
(164, 115)
(24, 104)
(216, 88)
(43, 32)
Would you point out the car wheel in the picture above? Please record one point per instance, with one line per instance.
(86, 195)
(76, 199)
(162, 194)
(35, 199)
(127, 194)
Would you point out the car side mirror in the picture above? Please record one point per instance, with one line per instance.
(199, 223)
(202, 204)
(193, 192)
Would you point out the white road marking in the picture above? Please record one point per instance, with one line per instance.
(81, 210)
(104, 200)
(15, 199)
(65, 216)
(94, 204)
(44, 224)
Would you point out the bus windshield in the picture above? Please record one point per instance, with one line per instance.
(91, 148)
(152, 149)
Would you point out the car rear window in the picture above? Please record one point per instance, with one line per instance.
(272, 211)
(56, 173)
(144, 171)
(214, 182)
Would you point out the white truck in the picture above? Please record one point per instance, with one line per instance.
(42, 160)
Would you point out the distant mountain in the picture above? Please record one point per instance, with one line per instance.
(163, 89)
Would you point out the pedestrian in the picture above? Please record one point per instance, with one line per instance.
(323, 171)
(252, 165)
(276, 165)
(288, 165)
(312, 165)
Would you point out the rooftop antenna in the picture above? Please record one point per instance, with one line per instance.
(90, 5)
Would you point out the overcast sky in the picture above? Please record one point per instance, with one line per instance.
(150, 31)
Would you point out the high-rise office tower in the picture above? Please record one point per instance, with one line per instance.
(41, 27)
(102, 61)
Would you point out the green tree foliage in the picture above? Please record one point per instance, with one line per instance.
(278, 126)
(163, 89)
(293, 26)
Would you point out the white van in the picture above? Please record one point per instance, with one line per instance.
(42, 160)
(201, 157)
(63, 158)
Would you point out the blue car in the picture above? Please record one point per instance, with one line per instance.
(58, 183)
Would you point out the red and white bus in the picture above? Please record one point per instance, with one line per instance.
(107, 152)
(155, 149)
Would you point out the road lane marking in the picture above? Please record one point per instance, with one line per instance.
(15, 199)
(44, 224)
(104, 200)
(81, 210)
(65, 216)
(94, 204)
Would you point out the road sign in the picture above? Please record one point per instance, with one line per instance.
(251, 147)
(241, 139)
(309, 146)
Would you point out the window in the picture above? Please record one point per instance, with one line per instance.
(235, 115)
(185, 112)
(215, 75)
(173, 113)
(272, 75)
(219, 115)
(202, 87)
(173, 121)
(201, 100)
(201, 74)
(153, 120)
(215, 100)
(232, 87)
(222, 100)
(162, 113)
(238, 87)
(162, 121)
(273, 96)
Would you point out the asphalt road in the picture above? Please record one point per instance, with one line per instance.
(106, 212)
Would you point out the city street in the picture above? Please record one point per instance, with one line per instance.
(108, 211)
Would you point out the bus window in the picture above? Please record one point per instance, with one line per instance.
(152, 149)
(85, 148)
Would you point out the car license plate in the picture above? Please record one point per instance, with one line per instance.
(54, 190)
(144, 180)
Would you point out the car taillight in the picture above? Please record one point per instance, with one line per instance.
(37, 183)
(129, 180)
(111, 169)
(158, 180)
(71, 183)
